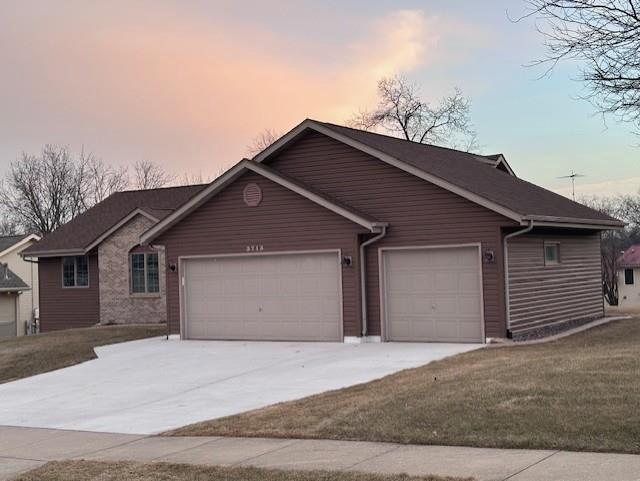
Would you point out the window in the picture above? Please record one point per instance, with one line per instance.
(628, 276)
(145, 276)
(551, 253)
(75, 271)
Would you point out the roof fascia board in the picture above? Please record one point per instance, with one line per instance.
(314, 197)
(578, 225)
(14, 289)
(504, 162)
(118, 225)
(193, 203)
(29, 238)
(234, 172)
(284, 140)
(574, 220)
(415, 171)
(54, 253)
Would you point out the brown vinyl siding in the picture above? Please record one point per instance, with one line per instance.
(67, 307)
(284, 221)
(541, 295)
(419, 213)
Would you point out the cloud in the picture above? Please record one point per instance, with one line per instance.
(132, 83)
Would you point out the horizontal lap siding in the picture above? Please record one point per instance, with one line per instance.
(541, 295)
(65, 308)
(284, 221)
(419, 213)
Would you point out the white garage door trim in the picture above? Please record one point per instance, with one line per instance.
(382, 283)
(182, 273)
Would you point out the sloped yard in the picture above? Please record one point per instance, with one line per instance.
(27, 356)
(577, 393)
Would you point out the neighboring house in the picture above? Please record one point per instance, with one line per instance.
(11, 287)
(629, 278)
(338, 234)
(10, 249)
(92, 269)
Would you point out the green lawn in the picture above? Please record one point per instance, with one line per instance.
(26, 356)
(127, 471)
(577, 393)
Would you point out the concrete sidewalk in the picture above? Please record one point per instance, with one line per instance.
(22, 449)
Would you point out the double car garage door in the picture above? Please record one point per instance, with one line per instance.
(428, 295)
(264, 297)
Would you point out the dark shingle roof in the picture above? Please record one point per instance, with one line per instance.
(82, 231)
(9, 281)
(7, 241)
(463, 170)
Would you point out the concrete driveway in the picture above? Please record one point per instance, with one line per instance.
(153, 385)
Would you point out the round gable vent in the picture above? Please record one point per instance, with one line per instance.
(252, 194)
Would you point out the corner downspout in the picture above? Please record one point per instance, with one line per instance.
(363, 275)
(505, 255)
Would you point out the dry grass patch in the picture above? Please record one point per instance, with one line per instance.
(577, 393)
(26, 356)
(128, 471)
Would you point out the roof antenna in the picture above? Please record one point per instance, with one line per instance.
(573, 182)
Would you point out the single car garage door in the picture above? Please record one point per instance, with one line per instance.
(264, 297)
(433, 295)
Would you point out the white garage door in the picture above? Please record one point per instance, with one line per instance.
(433, 295)
(264, 297)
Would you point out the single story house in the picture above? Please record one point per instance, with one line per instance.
(93, 270)
(336, 234)
(10, 249)
(11, 287)
(629, 279)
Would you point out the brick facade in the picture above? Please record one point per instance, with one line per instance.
(117, 304)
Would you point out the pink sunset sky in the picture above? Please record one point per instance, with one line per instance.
(189, 84)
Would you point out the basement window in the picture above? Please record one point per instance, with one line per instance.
(551, 253)
(75, 271)
(628, 277)
(144, 273)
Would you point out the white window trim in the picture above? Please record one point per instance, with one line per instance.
(544, 253)
(75, 272)
(146, 292)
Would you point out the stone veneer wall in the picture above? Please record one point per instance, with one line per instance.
(117, 304)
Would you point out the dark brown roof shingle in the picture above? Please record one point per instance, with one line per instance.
(82, 231)
(463, 170)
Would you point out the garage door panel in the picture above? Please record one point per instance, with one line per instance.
(279, 297)
(433, 295)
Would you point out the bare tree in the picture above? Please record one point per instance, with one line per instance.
(263, 140)
(401, 111)
(612, 244)
(43, 192)
(8, 225)
(604, 35)
(103, 179)
(148, 175)
(193, 179)
(630, 212)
